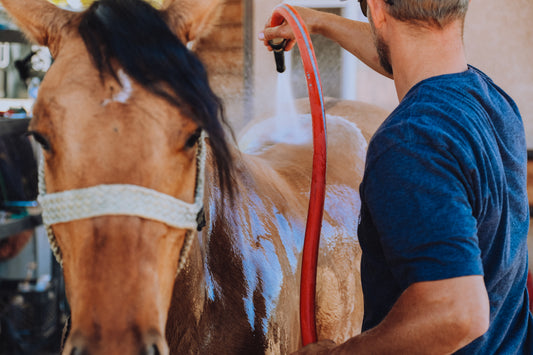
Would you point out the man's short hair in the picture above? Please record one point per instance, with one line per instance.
(434, 12)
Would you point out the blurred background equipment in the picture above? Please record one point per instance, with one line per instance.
(32, 302)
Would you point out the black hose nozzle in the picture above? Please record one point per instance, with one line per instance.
(278, 45)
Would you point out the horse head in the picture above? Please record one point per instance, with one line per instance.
(124, 103)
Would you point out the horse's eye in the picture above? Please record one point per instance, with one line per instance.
(193, 139)
(41, 139)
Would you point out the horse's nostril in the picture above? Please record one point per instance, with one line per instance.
(76, 344)
(151, 350)
(77, 351)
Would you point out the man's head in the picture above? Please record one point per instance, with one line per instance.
(430, 12)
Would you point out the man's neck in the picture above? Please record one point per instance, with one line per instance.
(425, 54)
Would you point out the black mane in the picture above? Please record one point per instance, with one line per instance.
(134, 35)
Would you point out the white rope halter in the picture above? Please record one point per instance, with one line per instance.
(129, 200)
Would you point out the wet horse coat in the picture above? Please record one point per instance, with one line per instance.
(123, 103)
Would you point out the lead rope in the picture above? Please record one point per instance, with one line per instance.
(124, 200)
(200, 180)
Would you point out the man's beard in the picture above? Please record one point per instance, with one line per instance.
(383, 53)
(381, 46)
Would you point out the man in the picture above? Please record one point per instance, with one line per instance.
(444, 208)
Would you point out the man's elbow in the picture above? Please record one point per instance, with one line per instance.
(470, 321)
(477, 324)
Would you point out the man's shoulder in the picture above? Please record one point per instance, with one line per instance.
(442, 95)
(471, 90)
(426, 117)
(445, 109)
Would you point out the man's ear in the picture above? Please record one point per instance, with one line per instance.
(378, 12)
(191, 19)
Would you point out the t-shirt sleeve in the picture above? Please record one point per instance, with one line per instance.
(417, 198)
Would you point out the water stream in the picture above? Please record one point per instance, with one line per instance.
(287, 125)
(286, 116)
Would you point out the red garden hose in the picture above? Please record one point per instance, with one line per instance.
(318, 180)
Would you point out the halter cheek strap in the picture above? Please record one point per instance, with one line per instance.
(128, 200)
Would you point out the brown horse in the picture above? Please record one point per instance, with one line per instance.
(124, 103)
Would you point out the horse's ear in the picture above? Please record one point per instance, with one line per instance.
(43, 22)
(191, 19)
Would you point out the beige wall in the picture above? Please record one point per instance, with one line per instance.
(499, 41)
(265, 75)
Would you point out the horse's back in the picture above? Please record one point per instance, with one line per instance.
(366, 116)
(349, 127)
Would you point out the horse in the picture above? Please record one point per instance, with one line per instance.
(125, 103)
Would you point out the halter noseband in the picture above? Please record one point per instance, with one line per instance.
(128, 200)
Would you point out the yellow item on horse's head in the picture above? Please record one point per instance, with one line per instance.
(86, 3)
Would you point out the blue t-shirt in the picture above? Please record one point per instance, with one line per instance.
(443, 196)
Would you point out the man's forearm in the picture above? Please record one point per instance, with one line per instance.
(428, 319)
(354, 36)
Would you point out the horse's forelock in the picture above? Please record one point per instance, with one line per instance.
(134, 35)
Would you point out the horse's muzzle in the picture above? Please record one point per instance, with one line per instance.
(145, 344)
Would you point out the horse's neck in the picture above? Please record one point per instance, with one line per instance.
(187, 305)
(209, 295)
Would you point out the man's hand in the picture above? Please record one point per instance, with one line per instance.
(310, 17)
(322, 347)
